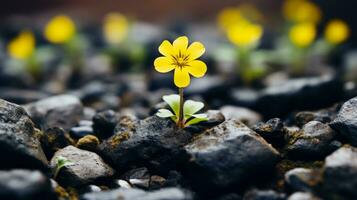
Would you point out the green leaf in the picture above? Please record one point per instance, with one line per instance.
(191, 107)
(164, 113)
(62, 161)
(174, 102)
(197, 119)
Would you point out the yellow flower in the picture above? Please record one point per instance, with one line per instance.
(301, 11)
(115, 28)
(337, 31)
(302, 34)
(60, 29)
(22, 46)
(230, 16)
(182, 58)
(244, 35)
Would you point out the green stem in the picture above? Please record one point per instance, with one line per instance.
(180, 122)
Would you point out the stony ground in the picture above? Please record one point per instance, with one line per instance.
(131, 154)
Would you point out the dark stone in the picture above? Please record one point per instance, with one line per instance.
(19, 141)
(314, 141)
(21, 96)
(273, 131)
(89, 143)
(295, 94)
(263, 195)
(63, 111)
(324, 116)
(157, 182)
(104, 123)
(25, 185)
(81, 131)
(340, 174)
(86, 167)
(346, 121)
(228, 155)
(155, 143)
(54, 139)
(137, 194)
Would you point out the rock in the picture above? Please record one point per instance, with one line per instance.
(244, 115)
(25, 185)
(302, 179)
(86, 167)
(346, 121)
(63, 111)
(324, 116)
(137, 194)
(81, 131)
(226, 155)
(54, 139)
(88, 142)
(19, 143)
(21, 96)
(214, 117)
(138, 177)
(85, 123)
(340, 174)
(273, 131)
(303, 196)
(104, 123)
(263, 195)
(314, 141)
(155, 143)
(157, 182)
(294, 94)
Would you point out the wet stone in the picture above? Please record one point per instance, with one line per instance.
(63, 111)
(245, 115)
(302, 179)
(54, 139)
(104, 123)
(87, 167)
(25, 185)
(19, 141)
(228, 155)
(273, 131)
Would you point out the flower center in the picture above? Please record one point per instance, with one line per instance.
(180, 60)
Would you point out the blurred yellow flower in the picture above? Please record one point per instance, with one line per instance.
(60, 29)
(301, 11)
(337, 31)
(244, 35)
(302, 34)
(115, 28)
(182, 58)
(230, 16)
(22, 46)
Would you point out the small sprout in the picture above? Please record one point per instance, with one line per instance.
(181, 58)
(336, 32)
(60, 163)
(302, 34)
(60, 29)
(190, 108)
(115, 28)
(23, 46)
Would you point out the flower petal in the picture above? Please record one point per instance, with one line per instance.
(195, 50)
(181, 77)
(163, 64)
(166, 48)
(197, 68)
(180, 45)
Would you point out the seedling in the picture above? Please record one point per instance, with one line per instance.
(190, 108)
(182, 58)
(60, 163)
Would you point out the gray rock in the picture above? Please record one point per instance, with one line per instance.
(346, 121)
(340, 174)
(314, 141)
(137, 194)
(263, 195)
(228, 154)
(86, 167)
(303, 196)
(25, 185)
(302, 179)
(155, 143)
(63, 111)
(323, 115)
(245, 115)
(19, 142)
(301, 93)
(81, 131)
(273, 131)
